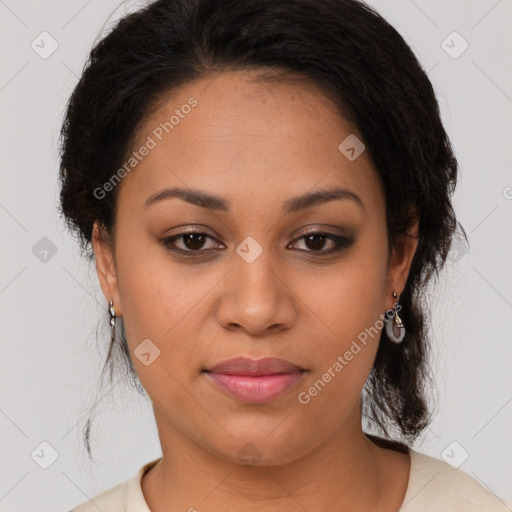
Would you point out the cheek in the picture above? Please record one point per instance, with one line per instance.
(154, 290)
(348, 306)
(349, 336)
(164, 302)
(347, 299)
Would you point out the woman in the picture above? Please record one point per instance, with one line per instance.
(265, 189)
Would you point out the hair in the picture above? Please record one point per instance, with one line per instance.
(367, 70)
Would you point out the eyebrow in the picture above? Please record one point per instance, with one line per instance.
(212, 202)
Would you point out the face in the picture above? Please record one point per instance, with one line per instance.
(267, 274)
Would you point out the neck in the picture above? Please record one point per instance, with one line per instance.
(346, 469)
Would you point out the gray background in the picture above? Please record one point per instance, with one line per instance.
(51, 305)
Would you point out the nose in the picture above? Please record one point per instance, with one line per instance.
(256, 298)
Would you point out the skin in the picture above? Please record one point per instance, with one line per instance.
(257, 145)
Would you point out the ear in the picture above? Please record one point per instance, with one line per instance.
(400, 262)
(105, 265)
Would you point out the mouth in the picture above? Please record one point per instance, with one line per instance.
(255, 381)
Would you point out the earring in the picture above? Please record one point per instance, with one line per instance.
(112, 312)
(394, 327)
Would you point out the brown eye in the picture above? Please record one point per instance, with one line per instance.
(316, 242)
(191, 242)
(194, 241)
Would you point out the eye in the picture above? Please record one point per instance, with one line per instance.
(315, 241)
(196, 242)
(192, 241)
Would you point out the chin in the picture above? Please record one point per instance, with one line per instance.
(262, 450)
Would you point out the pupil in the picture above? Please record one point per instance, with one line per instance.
(189, 240)
(320, 241)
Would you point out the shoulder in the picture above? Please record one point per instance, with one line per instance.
(125, 497)
(112, 500)
(435, 485)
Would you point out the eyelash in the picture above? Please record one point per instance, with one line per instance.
(341, 242)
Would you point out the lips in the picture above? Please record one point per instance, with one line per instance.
(255, 381)
(246, 366)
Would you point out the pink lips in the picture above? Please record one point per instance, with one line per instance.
(255, 381)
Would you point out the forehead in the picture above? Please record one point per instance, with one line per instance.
(237, 135)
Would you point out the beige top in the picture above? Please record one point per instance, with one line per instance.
(434, 486)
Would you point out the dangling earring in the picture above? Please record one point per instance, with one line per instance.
(394, 327)
(112, 321)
